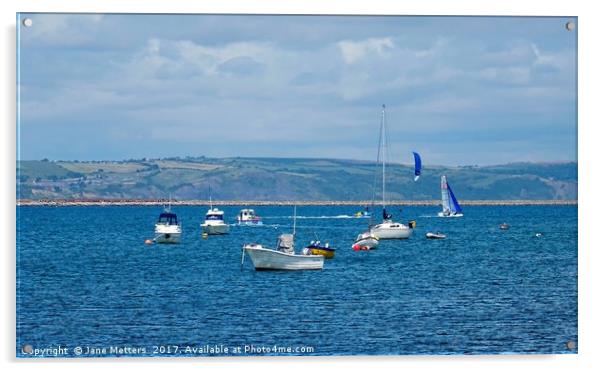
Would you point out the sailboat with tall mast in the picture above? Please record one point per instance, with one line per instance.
(388, 229)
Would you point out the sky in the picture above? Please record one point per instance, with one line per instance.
(458, 90)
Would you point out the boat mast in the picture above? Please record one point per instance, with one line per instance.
(294, 220)
(210, 201)
(383, 144)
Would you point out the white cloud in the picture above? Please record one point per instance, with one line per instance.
(352, 51)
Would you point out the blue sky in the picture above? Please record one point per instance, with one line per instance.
(459, 90)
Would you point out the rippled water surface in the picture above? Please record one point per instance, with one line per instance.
(85, 278)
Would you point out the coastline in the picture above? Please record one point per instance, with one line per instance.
(159, 202)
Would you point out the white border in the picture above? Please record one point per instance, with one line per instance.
(589, 201)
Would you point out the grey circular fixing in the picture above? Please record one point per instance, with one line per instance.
(570, 345)
(570, 25)
(28, 22)
(28, 349)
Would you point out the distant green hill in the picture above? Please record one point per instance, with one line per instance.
(277, 179)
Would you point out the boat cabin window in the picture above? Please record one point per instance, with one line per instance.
(214, 217)
(168, 218)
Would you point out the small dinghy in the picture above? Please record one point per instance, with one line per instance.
(316, 248)
(504, 226)
(435, 236)
(365, 241)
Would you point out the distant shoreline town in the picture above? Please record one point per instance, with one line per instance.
(160, 202)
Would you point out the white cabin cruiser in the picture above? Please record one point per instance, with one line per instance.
(167, 229)
(214, 222)
(248, 217)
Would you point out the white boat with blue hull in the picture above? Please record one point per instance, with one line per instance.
(449, 203)
(167, 229)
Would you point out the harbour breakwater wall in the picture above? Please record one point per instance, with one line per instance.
(159, 202)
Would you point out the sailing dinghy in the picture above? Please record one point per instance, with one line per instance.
(451, 207)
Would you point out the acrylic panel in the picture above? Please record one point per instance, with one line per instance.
(276, 185)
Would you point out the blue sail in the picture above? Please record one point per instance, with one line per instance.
(417, 166)
(455, 205)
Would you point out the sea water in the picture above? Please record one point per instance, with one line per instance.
(87, 283)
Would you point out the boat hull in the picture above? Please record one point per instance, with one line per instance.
(391, 231)
(327, 253)
(214, 229)
(168, 238)
(250, 222)
(167, 234)
(435, 236)
(267, 259)
(443, 215)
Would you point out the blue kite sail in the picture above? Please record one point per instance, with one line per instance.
(417, 166)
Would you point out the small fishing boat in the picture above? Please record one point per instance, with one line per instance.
(365, 241)
(504, 226)
(283, 257)
(316, 248)
(167, 228)
(451, 207)
(248, 217)
(435, 236)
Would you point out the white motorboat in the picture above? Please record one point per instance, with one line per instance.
(268, 259)
(388, 229)
(449, 203)
(248, 217)
(283, 257)
(214, 222)
(167, 228)
(435, 236)
(365, 241)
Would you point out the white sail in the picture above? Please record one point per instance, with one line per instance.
(445, 202)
